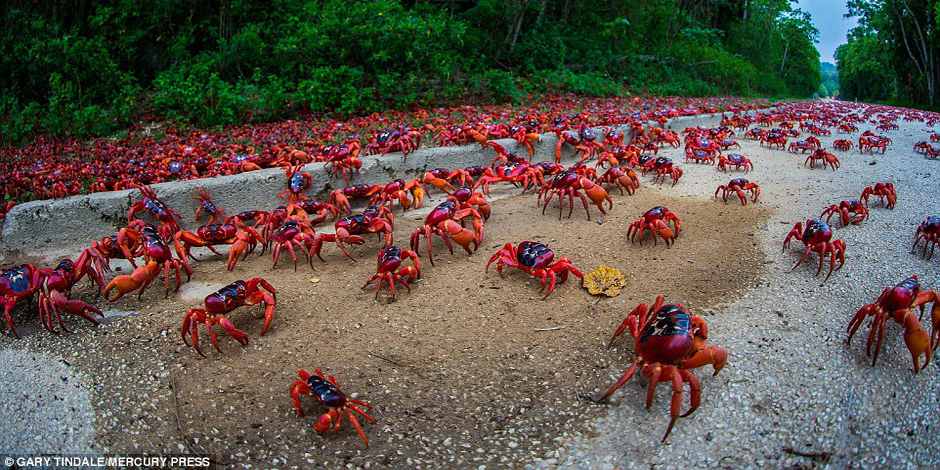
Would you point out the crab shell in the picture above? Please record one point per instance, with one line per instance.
(535, 255)
(668, 337)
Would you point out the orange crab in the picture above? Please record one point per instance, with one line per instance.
(668, 345)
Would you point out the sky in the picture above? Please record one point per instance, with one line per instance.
(827, 14)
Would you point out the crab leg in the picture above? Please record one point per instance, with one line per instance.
(619, 383)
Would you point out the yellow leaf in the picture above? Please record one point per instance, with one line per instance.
(605, 280)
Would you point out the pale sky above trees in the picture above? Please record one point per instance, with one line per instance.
(828, 17)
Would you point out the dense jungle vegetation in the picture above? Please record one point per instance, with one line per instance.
(88, 67)
(892, 54)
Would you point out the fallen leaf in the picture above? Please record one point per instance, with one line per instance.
(605, 280)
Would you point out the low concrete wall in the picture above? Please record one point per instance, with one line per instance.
(43, 231)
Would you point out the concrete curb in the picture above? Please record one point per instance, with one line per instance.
(44, 231)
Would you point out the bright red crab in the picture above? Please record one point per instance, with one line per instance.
(216, 215)
(57, 287)
(447, 222)
(389, 260)
(157, 256)
(570, 183)
(168, 218)
(340, 197)
(668, 345)
(293, 233)
(818, 238)
(297, 182)
(622, 178)
(736, 160)
(318, 211)
(898, 303)
(402, 139)
(466, 198)
(344, 158)
(243, 241)
(822, 154)
(663, 167)
(929, 232)
(349, 230)
(884, 190)
(850, 212)
(842, 144)
(223, 301)
(739, 186)
(329, 394)
(17, 284)
(535, 259)
(399, 189)
(656, 220)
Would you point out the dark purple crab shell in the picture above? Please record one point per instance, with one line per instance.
(534, 254)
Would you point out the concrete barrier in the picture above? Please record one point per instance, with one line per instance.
(44, 231)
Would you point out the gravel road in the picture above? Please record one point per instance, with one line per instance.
(793, 393)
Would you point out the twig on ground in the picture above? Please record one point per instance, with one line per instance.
(387, 359)
(552, 328)
(821, 455)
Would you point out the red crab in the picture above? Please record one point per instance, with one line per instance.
(441, 178)
(535, 259)
(884, 190)
(522, 174)
(243, 241)
(330, 395)
(297, 182)
(344, 158)
(822, 154)
(929, 231)
(622, 178)
(842, 144)
(656, 221)
(240, 219)
(668, 345)
(390, 259)
(818, 238)
(736, 160)
(700, 156)
(850, 212)
(402, 140)
(56, 289)
(317, 210)
(898, 303)
(399, 189)
(340, 197)
(168, 218)
(663, 167)
(216, 215)
(157, 255)
(466, 198)
(446, 221)
(739, 186)
(16, 284)
(223, 301)
(569, 183)
(583, 142)
(349, 230)
(293, 233)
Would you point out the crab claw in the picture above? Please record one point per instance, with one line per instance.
(325, 421)
(714, 355)
(916, 339)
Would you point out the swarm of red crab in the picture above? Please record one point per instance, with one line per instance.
(668, 340)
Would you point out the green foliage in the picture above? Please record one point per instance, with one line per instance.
(891, 56)
(89, 68)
